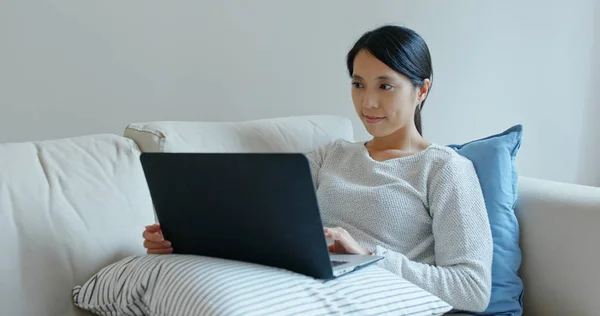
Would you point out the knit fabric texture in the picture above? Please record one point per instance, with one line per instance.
(425, 213)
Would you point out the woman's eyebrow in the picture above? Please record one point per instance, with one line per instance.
(384, 77)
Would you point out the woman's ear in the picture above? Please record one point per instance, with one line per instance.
(423, 90)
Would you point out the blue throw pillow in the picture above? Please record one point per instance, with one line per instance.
(494, 161)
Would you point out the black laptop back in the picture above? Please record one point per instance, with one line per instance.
(259, 208)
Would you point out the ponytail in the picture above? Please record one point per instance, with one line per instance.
(418, 118)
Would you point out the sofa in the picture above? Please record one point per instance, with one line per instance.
(70, 207)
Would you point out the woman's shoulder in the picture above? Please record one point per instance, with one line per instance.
(335, 144)
(329, 149)
(445, 159)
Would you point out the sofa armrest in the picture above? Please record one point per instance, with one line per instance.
(560, 237)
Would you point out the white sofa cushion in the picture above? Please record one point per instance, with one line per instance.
(289, 134)
(196, 285)
(68, 208)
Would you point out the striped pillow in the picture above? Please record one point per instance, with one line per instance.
(194, 285)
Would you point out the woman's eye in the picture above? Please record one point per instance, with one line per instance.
(357, 84)
(386, 86)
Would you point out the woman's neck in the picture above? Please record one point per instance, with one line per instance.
(405, 140)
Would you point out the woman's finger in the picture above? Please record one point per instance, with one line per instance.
(157, 245)
(156, 237)
(160, 251)
(153, 228)
(334, 233)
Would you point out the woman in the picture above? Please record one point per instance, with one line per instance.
(417, 204)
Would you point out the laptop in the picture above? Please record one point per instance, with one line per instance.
(254, 207)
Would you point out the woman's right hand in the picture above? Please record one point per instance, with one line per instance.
(155, 242)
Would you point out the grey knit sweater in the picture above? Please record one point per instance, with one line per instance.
(424, 213)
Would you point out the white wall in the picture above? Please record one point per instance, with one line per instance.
(74, 67)
(589, 168)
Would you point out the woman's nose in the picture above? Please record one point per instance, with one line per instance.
(370, 100)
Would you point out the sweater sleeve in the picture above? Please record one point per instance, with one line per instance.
(463, 249)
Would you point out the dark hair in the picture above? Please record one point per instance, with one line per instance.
(401, 49)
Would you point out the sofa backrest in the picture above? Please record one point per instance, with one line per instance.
(68, 208)
(289, 134)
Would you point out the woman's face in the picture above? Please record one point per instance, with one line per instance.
(384, 100)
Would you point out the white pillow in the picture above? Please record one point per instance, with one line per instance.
(195, 285)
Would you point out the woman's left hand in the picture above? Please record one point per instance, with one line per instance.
(343, 243)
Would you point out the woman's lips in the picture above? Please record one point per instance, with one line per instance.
(373, 119)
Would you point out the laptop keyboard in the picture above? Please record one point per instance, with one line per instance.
(336, 263)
